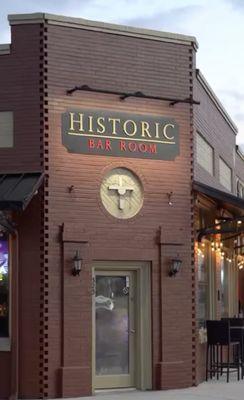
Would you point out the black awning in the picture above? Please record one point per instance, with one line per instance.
(17, 189)
(228, 201)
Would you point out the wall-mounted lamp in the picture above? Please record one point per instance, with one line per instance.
(169, 196)
(77, 263)
(175, 266)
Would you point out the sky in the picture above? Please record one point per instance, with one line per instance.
(218, 26)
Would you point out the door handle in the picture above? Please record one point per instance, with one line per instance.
(132, 331)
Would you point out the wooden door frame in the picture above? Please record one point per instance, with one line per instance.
(143, 360)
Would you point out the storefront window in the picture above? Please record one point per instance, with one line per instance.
(224, 288)
(4, 285)
(206, 283)
(202, 285)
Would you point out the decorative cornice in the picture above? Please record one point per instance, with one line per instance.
(215, 100)
(17, 19)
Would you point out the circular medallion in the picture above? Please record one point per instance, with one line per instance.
(122, 193)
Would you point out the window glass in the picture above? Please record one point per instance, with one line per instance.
(206, 283)
(202, 256)
(225, 176)
(224, 288)
(6, 129)
(239, 188)
(4, 286)
(205, 154)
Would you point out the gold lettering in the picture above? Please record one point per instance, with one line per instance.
(114, 121)
(145, 129)
(165, 131)
(74, 121)
(157, 130)
(133, 125)
(100, 121)
(90, 123)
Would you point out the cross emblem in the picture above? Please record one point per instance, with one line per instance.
(121, 190)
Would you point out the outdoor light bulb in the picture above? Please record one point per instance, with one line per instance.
(212, 244)
(241, 266)
(221, 244)
(203, 244)
(239, 222)
(222, 254)
(212, 249)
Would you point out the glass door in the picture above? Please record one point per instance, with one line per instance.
(114, 329)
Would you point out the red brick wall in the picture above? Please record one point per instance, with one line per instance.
(20, 93)
(107, 61)
(42, 65)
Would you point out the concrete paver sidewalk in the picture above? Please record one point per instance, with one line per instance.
(211, 390)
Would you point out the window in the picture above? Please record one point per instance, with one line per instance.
(6, 129)
(240, 188)
(4, 286)
(224, 276)
(205, 154)
(206, 283)
(225, 175)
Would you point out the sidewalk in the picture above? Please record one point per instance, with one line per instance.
(211, 390)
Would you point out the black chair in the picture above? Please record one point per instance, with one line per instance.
(218, 339)
(238, 335)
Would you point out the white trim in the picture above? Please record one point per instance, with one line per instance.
(16, 19)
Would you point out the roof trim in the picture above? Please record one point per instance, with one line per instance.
(215, 100)
(221, 197)
(16, 19)
(239, 152)
(4, 49)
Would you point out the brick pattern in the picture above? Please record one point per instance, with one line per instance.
(110, 65)
(192, 66)
(45, 61)
(19, 81)
(44, 243)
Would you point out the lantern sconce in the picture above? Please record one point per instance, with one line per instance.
(77, 263)
(175, 266)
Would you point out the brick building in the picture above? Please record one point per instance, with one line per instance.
(118, 165)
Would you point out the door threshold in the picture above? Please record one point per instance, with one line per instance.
(104, 391)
